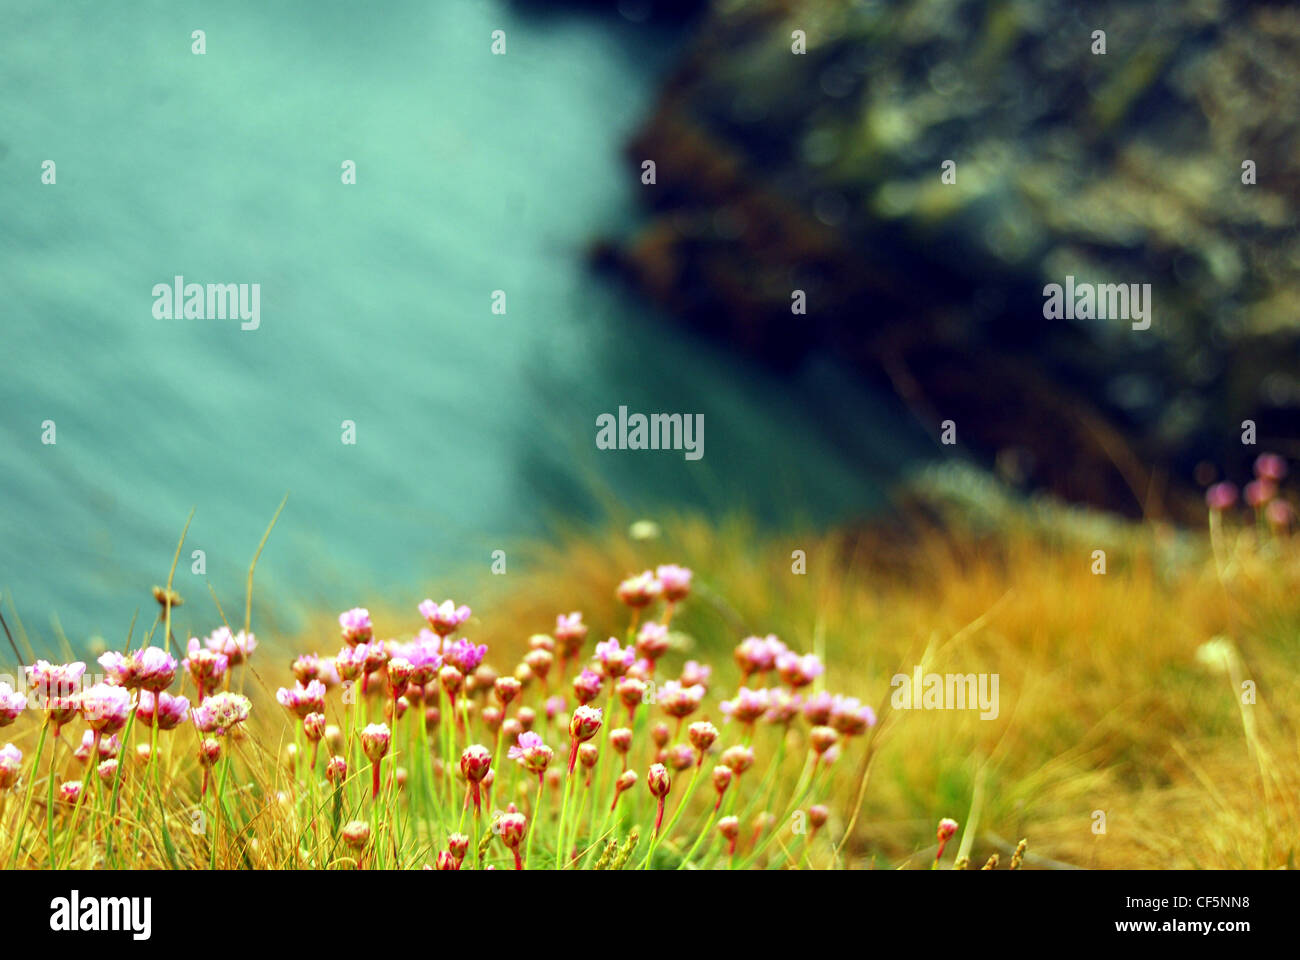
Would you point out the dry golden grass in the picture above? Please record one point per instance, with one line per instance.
(1120, 693)
(1105, 705)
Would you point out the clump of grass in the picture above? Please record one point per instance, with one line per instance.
(1147, 714)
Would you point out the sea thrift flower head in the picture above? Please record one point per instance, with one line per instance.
(458, 846)
(465, 656)
(554, 707)
(221, 712)
(729, 827)
(817, 708)
(154, 669)
(785, 707)
(327, 673)
(446, 617)
(695, 674)
(739, 758)
(399, 675)
(451, 679)
(142, 753)
(106, 707)
(614, 660)
(1269, 466)
(151, 668)
(161, 710)
(652, 640)
(375, 741)
(947, 828)
(620, 738)
(585, 723)
(425, 655)
(822, 739)
(818, 814)
(12, 704)
(570, 632)
(798, 671)
(588, 754)
(108, 770)
(539, 662)
(445, 861)
(531, 752)
(205, 666)
(758, 654)
(680, 757)
(336, 771)
(631, 692)
(626, 781)
(350, 662)
(640, 591)
(356, 834)
(542, 641)
(703, 735)
(82, 752)
(313, 725)
(721, 776)
(301, 700)
(512, 826)
(55, 687)
(306, 667)
(586, 686)
(376, 656)
(748, 705)
(1279, 514)
(334, 738)
(1221, 497)
(675, 581)
(475, 762)
(1259, 492)
(526, 716)
(492, 716)
(237, 647)
(356, 626)
(660, 734)
(70, 792)
(678, 701)
(850, 717)
(658, 780)
(506, 689)
(11, 765)
(209, 752)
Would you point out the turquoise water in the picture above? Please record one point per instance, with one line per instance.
(474, 173)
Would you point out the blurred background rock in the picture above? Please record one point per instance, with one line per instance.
(821, 172)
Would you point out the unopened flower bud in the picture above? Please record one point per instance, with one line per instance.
(475, 762)
(680, 757)
(375, 740)
(506, 689)
(336, 771)
(658, 780)
(702, 735)
(620, 738)
(660, 734)
(739, 758)
(822, 739)
(356, 834)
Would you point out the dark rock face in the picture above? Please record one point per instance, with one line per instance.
(822, 172)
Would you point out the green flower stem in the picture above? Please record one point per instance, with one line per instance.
(27, 801)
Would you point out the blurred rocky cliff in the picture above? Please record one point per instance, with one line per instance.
(822, 172)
